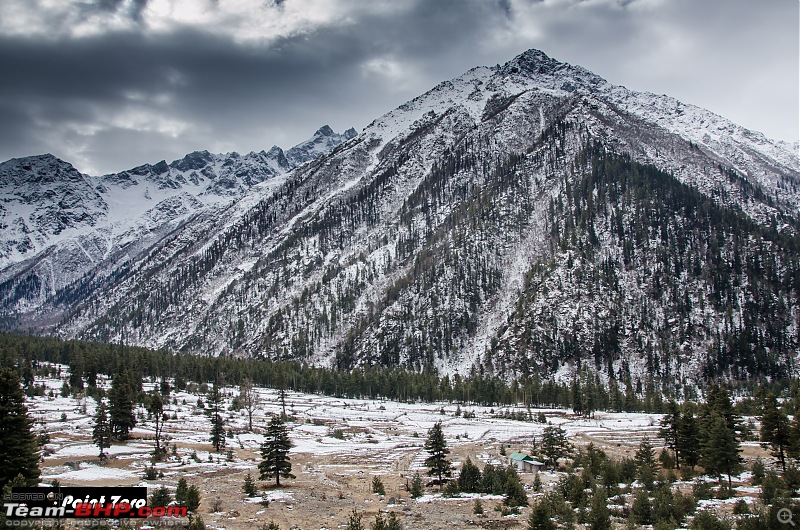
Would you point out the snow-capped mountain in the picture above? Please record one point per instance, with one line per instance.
(58, 224)
(530, 218)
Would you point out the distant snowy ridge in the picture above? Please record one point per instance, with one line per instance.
(49, 207)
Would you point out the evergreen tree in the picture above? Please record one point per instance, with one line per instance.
(720, 450)
(121, 403)
(469, 480)
(540, 517)
(577, 397)
(794, 436)
(101, 431)
(217, 421)
(16, 438)
(249, 487)
(646, 466)
(354, 522)
(192, 501)
(196, 523)
(180, 491)
(670, 426)
(76, 367)
(775, 432)
(417, 489)
(377, 486)
(688, 442)
(514, 492)
(160, 497)
(388, 523)
(218, 432)
(642, 510)
(275, 452)
(555, 444)
(436, 446)
(599, 519)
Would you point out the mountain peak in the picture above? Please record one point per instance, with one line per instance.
(325, 130)
(533, 61)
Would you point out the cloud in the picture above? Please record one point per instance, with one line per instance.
(111, 84)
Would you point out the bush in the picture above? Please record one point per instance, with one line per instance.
(758, 471)
(196, 523)
(477, 508)
(708, 520)
(451, 489)
(741, 507)
(702, 490)
(150, 473)
(377, 486)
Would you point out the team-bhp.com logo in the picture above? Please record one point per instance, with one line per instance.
(86, 502)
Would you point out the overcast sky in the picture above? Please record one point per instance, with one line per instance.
(111, 84)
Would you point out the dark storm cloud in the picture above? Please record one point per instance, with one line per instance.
(223, 91)
(109, 100)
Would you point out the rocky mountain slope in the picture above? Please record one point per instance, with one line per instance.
(530, 218)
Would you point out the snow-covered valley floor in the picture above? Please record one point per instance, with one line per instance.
(339, 445)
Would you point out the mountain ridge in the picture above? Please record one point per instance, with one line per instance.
(425, 241)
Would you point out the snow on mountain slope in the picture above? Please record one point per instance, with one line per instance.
(68, 221)
(508, 220)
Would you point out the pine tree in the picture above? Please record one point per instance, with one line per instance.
(646, 464)
(417, 489)
(196, 523)
(388, 523)
(514, 492)
(600, 518)
(794, 436)
(555, 444)
(540, 517)
(160, 497)
(101, 431)
(577, 397)
(192, 498)
(469, 480)
(689, 437)
(720, 450)
(275, 452)
(436, 446)
(217, 421)
(218, 432)
(377, 486)
(121, 403)
(670, 425)
(249, 487)
(16, 438)
(180, 491)
(642, 509)
(354, 522)
(775, 432)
